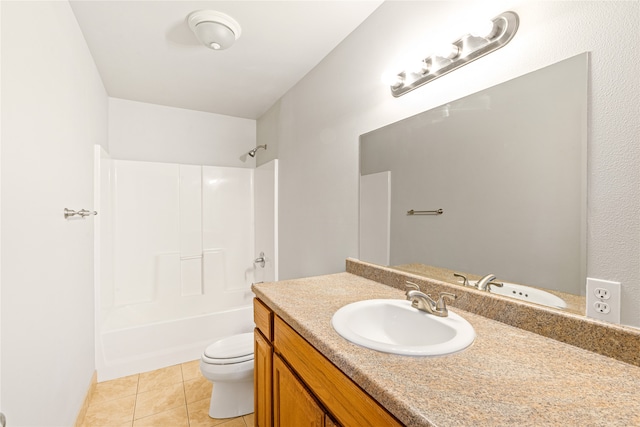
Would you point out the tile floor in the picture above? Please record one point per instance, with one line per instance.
(176, 396)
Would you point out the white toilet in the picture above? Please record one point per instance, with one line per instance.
(228, 363)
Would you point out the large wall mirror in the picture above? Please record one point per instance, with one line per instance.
(507, 168)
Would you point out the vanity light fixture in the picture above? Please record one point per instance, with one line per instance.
(488, 36)
(215, 30)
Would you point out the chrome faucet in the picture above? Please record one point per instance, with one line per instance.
(465, 281)
(486, 282)
(424, 302)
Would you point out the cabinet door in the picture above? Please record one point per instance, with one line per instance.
(342, 397)
(330, 422)
(263, 361)
(293, 406)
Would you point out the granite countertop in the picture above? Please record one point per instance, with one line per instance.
(508, 377)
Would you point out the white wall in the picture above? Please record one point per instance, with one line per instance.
(319, 120)
(0, 207)
(54, 111)
(155, 133)
(265, 201)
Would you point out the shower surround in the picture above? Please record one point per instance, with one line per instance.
(174, 261)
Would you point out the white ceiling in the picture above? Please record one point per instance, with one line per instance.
(145, 51)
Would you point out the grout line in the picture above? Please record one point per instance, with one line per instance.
(135, 401)
(184, 390)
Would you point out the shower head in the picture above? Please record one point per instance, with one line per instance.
(252, 153)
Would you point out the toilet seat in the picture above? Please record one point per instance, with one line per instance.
(230, 350)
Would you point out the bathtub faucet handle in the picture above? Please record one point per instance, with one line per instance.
(260, 260)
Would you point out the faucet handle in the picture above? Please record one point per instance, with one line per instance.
(496, 284)
(410, 286)
(465, 281)
(442, 305)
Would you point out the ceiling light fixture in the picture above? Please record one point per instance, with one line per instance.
(215, 30)
(483, 39)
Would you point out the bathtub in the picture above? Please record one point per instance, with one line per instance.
(174, 250)
(130, 350)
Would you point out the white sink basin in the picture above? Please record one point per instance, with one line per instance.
(526, 293)
(393, 326)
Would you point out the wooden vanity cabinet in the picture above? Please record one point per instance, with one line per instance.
(262, 380)
(263, 318)
(263, 365)
(293, 405)
(295, 385)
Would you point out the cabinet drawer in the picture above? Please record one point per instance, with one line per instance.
(263, 318)
(344, 399)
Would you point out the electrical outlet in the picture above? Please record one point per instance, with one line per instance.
(603, 300)
(602, 293)
(602, 307)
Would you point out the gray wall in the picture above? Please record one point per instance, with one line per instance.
(320, 120)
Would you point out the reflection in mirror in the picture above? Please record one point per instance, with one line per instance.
(507, 166)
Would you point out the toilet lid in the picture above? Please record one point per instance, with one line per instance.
(233, 349)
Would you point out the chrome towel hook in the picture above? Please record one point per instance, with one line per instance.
(82, 213)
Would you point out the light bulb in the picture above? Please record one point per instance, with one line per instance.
(448, 51)
(484, 29)
(392, 79)
(418, 67)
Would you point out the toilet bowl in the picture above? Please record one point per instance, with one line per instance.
(228, 363)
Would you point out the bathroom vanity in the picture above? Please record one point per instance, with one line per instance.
(281, 357)
(307, 374)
